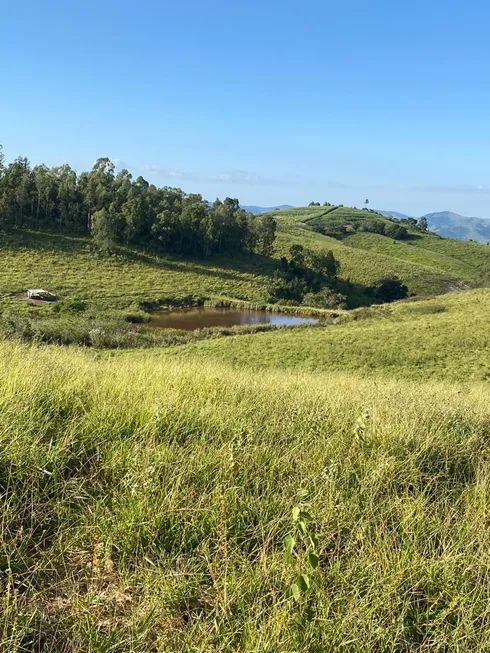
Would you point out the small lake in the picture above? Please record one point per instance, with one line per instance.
(202, 316)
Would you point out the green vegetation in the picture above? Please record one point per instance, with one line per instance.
(150, 505)
(117, 210)
(442, 338)
(346, 271)
(289, 490)
(426, 263)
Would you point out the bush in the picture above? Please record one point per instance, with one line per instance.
(138, 317)
(373, 226)
(388, 289)
(70, 305)
(326, 298)
(395, 231)
(284, 289)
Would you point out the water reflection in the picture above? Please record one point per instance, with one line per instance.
(203, 316)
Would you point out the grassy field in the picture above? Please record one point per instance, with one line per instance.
(68, 266)
(442, 338)
(426, 263)
(153, 506)
(295, 491)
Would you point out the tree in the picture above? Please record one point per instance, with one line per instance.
(98, 187)
(324, 263)
(326, 298)
(423, 225)
(395, 231)
(297, 253)
(266, 235)
(69, 201)
(103, 232)
(372, 226)
(117, 209)
(390, 288)
(286, 289)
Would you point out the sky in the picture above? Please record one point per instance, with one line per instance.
(270, 101)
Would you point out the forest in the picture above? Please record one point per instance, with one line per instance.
(117, 210)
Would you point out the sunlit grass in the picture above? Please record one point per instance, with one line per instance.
(145, 506)
(442, 338)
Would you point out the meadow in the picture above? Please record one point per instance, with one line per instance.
(67, 265)
(154, 506)
(446, 337)
(276, 491)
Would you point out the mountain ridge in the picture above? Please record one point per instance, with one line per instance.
(263, 209)
(452, 225)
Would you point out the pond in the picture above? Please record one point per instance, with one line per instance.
(204, 316)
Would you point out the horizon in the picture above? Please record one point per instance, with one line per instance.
(270, 104)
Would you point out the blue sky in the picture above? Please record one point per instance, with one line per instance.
(273, 102)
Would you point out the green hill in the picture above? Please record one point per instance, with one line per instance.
(427, 263)
(311, 489)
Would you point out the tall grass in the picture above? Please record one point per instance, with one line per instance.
(145, 504)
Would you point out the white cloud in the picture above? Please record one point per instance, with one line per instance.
(239, 177)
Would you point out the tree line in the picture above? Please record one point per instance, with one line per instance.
(116, 209)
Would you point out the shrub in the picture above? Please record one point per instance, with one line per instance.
(373, 226)
(138, 317)
(395, 231)
(284, 289)
(389, 289)
(70, 305)
(326, 298)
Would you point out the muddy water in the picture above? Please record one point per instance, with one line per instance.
(202, 316)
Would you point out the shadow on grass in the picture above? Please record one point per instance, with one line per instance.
(220, 266)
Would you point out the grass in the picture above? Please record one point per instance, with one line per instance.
(443, 338)
(148, 511)
(65, 265)
(149, 499)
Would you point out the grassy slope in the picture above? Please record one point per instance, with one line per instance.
(65, 265)
(145, 505)
(426, 263)
(145, 497)
(409, 340)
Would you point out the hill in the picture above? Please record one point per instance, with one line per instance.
(105, 294)
(393, 214)
(452, 225)
(427, 263)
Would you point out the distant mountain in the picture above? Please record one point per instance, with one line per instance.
(393, 214)
(453, 225)
(264, 209)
